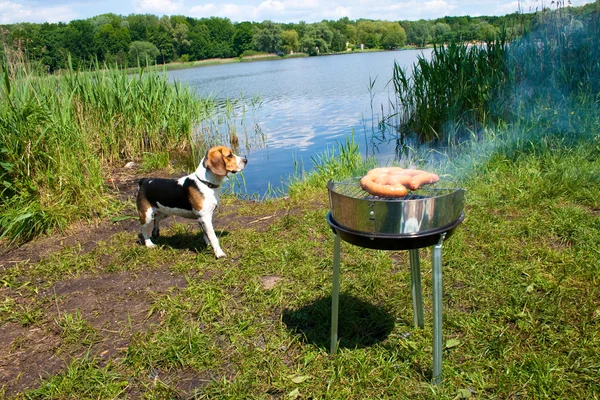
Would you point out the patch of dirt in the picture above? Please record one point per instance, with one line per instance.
(269, 282)
(102, 299)
(116, 305)
(85, 235)
(26, 356)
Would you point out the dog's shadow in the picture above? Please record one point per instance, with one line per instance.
(360, 324)
(191, 241)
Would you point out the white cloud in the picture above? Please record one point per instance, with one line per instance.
(529, 6)
(275, 10)
(313, 10)
(168, 7)
(514, 6)
(226, 10)
(407, 10)
(11, 12)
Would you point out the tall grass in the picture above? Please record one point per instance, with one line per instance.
(558, 55)
(125, 115)
(457, 85)
(343, 161)
(464, 88)
(58, 134)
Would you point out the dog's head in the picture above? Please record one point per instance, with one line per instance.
(220, 160)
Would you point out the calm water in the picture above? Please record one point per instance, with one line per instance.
(307, 105)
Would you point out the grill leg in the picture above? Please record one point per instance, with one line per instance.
(437, 312)
(417, 296)
(335, 294)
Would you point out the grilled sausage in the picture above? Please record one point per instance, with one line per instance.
(393, 181)
(421, 179)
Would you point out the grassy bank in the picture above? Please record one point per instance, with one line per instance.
(521, 298)
(219, 61)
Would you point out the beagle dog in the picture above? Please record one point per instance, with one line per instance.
(193, 196)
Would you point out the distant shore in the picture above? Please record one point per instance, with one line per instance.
(256, 57)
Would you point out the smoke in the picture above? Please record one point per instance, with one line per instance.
(550, 98)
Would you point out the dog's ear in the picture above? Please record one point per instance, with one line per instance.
(215, 161)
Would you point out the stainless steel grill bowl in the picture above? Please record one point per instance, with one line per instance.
(427, 211)
(424, 217)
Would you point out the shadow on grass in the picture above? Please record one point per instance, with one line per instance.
(192, 241)
(360, 324)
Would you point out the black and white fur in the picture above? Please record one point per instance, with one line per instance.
(193, 196)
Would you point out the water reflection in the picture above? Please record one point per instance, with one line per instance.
(292, 110)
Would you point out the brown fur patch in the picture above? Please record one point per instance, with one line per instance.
(220, 160)
(215, 161)
(143, 205)
(230, 160)
(196, 198)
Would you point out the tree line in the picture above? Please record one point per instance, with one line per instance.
(149, 39)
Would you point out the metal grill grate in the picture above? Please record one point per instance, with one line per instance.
(351, 188)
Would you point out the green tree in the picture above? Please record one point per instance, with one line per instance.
(113, 43)
(139, 26)
(418, 33)
(338, 43)
(339, 39)
(290, 41)
(352, 34)
(313, 46)
(144, 53)
(317, 39)
(53, 52)
(301, 27)
(99, 21)
(242, 37)
(221, 32)
(199, 38)
(180, 38)
(162, 38)
(320, 30)
(486, 31)
(268, 38)
(442, 33)
(393, 35)
(368, 34)
(80, 43)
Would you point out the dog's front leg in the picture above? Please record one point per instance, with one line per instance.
(205, 222)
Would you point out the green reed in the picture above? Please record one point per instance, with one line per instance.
(59, 135)
(457, 84)
(464, 88)
(125, 115)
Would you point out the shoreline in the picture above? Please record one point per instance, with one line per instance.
(260, 57)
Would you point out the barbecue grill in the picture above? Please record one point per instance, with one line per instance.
(424, 217)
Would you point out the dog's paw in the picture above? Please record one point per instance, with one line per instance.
(149, 244)
(220, 254)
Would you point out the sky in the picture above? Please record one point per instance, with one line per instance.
(38, 11)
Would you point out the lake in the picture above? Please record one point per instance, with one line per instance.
(307, 105)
